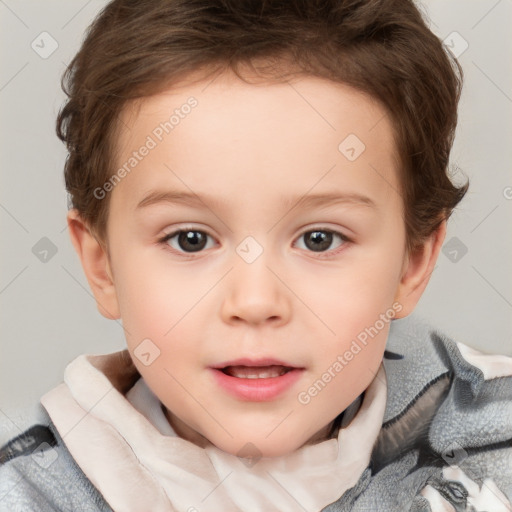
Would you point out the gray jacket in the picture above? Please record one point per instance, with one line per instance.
(446, 439)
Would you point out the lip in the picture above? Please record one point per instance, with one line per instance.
(256, 390)
(245, 361)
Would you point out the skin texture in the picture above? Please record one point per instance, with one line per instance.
(257, 151)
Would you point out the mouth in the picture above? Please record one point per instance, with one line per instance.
(263, 368)
(256, 372)
(256, 380)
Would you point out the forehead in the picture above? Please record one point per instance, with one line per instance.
(236, 138)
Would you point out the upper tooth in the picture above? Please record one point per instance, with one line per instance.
(255, 372)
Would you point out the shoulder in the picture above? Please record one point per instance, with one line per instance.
(464, 386)
(448, 423)
(37, 472)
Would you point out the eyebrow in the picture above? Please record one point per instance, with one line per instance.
(307, 201)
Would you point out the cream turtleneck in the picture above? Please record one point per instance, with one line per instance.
(118, 434)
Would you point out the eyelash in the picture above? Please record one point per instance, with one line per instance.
(325, 254)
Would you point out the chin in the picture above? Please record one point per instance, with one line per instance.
(255, 447)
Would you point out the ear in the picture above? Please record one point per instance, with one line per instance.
(96, 265)
(418, 268)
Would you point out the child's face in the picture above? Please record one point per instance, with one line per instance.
(249, 282)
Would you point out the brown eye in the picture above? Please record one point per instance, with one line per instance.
(318, 240)
(321, 240)
(190, 240)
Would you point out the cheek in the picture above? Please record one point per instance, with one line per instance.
(348, 358)
(356, 297)
(150, 300)
(161, 305)
(356, 309)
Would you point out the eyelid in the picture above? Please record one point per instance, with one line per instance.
(185, 227)
(323, 227)
(175, 231)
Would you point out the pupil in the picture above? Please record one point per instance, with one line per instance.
(194, 240)
(323, 239)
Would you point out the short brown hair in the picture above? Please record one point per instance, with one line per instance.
(135, 48)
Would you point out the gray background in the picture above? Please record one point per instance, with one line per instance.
(48, 315)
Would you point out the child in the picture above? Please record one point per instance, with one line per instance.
(212, 144)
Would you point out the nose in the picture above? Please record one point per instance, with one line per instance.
(256, 294)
